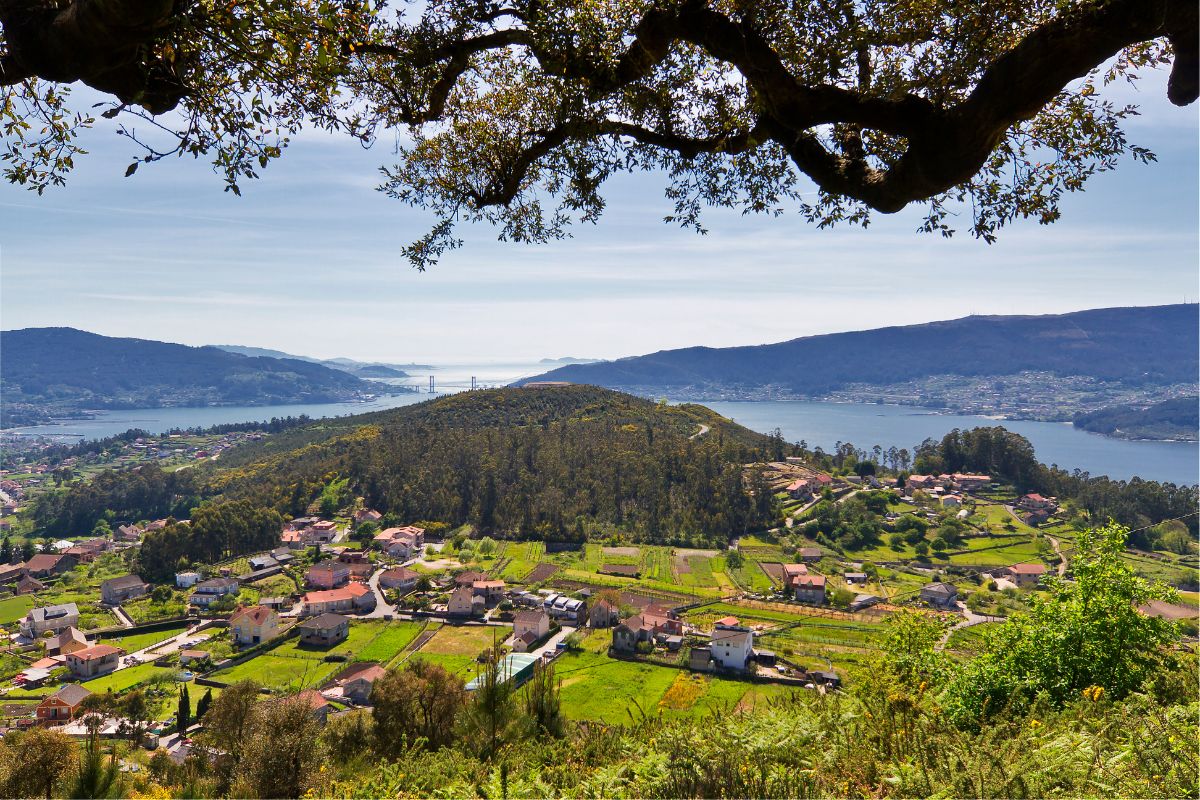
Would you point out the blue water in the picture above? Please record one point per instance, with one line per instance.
(825, 424)
(819, 424)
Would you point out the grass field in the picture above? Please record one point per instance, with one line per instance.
(13, 609)
(124, 679)
(281, 673)
(390, 641)
(596, 687)
(457, 647)
(138, 641)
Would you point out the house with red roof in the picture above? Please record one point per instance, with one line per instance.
(95, 660)
(253, 625)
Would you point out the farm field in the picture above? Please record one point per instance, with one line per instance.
(390, 641)
(456, 647)
(281, 673)
(15, 608)
(140, 641)
(127, 678)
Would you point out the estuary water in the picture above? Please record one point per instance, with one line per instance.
(817, 423)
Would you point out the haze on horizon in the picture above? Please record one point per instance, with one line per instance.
(308, 262)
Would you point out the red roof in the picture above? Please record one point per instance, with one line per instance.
(333, 595)
(1028, 569)
(257, 614)
(96, 651)
(810, 580)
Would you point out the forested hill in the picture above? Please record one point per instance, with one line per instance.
(555, 463)
(1176, 419)
(1151, 345)
(60, 369)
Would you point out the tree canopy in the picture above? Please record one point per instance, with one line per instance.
(516, 112)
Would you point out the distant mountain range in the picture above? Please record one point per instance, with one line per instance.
(1127, 348)
(48, 372)
(363, 369)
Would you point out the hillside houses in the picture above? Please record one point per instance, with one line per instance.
(117, 590)
(92, 661)
(253, 625)
(50, 618)
(400, 542)
(352, 599)
(324, 631)
(328, 574)
(210, 591)
(1024, 575)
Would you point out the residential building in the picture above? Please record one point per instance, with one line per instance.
(186, 580)
(940, 595)
(971, 483)
(50, 618)
(800, 489)
(328, 574)
(45, 565)
(645, 627)
(253, 625)
(324, 631)
(95, 660)
(68, 640)
(1035, 502)
(855, 578)
(357, 680)
(924, 483)
(117, 590)
(28, 585)
(491, 591)
(366, 515)
(1025, 575)
(464, 602)
(63, 705)
(535, 622)
(352, 598)
(401, 578)
(11, 572)
(951, 501)
(193, 657)
(732, 647)
(810, 589)
(809, 555)
(318, 706)
(209, 591)
(603, 614)
(469, 577)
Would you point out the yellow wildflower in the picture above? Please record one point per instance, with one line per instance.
(1033, 723)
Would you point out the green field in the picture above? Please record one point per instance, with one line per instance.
(14, 609)
(457, 647)
(282, 673)
(390, 641)
(139, 641)
(127, 678)
(596, 687)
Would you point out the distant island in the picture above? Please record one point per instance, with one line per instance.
(1051, 367)
(50, 373)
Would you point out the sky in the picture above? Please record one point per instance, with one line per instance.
(309, 261)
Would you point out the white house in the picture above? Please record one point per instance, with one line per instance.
(186, 580)
(732, 647)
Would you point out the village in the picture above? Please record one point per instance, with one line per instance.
(338, 602)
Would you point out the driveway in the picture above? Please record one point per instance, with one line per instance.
(381, 605)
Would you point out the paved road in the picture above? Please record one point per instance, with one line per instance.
(703, 430)
(969, 618)
(381, 605)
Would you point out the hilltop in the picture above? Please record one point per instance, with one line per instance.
(56, 371)
(1126, 348)
(556, 463)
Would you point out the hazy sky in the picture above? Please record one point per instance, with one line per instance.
(308, 261)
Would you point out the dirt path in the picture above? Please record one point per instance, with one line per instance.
(703, 430)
